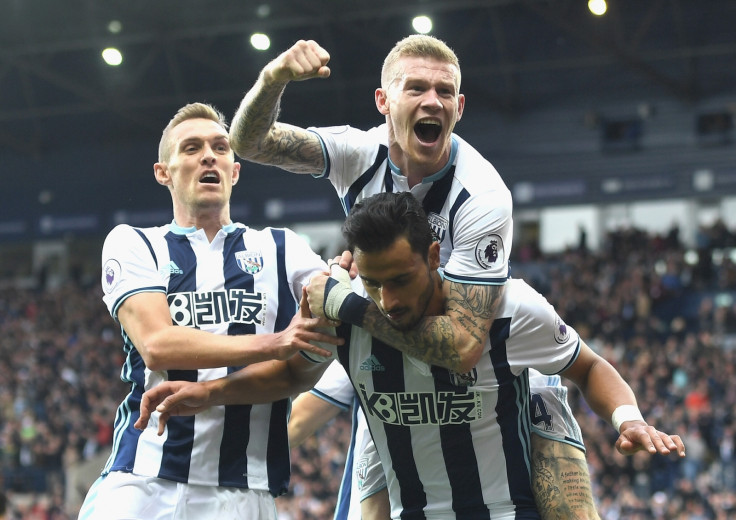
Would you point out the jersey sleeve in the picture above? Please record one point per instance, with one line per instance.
(128, 267)
(348, 151)
(539, 338)
(334, 386)
(481, 238)
(301, 263)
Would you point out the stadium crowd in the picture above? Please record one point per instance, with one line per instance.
(664, 315)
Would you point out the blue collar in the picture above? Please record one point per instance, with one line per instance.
(177, 229)
(439, 174)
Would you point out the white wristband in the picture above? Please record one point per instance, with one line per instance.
(625, 412)
(337, 294)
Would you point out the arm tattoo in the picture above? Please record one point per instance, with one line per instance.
(441, 340)
(254, 118)
(471, 305)
(561, 482)
(255, 135)
(432, 341)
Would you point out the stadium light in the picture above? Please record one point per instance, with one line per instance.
(112, 56)
(422, 24)
(260, 41)
(597, 7)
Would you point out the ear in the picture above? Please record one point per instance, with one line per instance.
(382, 101)
(161, 172)
(433, 258)
(236, 172)
(460, 106)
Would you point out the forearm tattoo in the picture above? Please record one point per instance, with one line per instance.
(561, 483)
(431, 341)
(254, 118)
(256, 136)
(440, 340)
(474, 304)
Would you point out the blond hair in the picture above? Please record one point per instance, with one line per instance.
(417, 46)
(185, 113)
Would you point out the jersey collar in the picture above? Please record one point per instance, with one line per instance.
(178, 230)
(435, 176)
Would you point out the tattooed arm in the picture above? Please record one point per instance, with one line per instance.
(255, 135)
(454, 340)
(561, 481)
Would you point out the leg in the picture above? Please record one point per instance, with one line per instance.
(561, 481)
(376, 506)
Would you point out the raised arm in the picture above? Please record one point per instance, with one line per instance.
(255, 134)
(612, 399)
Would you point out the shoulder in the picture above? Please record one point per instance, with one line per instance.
(127, 235)
(295, 246)
(476, 172)
(533, 313)
(126, 230)
(351, 134)
(275, 233)
(520, 294)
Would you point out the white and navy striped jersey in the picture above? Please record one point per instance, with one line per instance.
(467, 203)
(334, 387)
(246, 281)
(457, 446)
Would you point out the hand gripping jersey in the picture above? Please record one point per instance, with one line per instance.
(467, 203)
(245, 281)
(456, 446)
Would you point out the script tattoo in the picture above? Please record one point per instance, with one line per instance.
(255, 135)
(439, 340)
(560, 481)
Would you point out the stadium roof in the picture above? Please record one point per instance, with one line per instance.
(516, 55)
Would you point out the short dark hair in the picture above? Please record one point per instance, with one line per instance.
(376, 222)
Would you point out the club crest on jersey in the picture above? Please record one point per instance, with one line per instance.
(438, 224)
(249, 261)
(361, 471)
(466, 379)
(489, 251)
(562, 332)
(111, 272)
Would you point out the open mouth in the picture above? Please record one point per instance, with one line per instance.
(210, 178)
(428, 130)
(395, 315)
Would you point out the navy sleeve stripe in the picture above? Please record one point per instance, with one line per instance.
(148, 243)
(475, 280)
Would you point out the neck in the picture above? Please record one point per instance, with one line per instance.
(415, 171)
(436, 305)
(210, 222)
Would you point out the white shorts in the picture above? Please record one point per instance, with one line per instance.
(124, 496)
(550, 414)
(369, 472)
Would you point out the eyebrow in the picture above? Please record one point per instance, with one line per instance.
(199, 139)
(393, 279)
